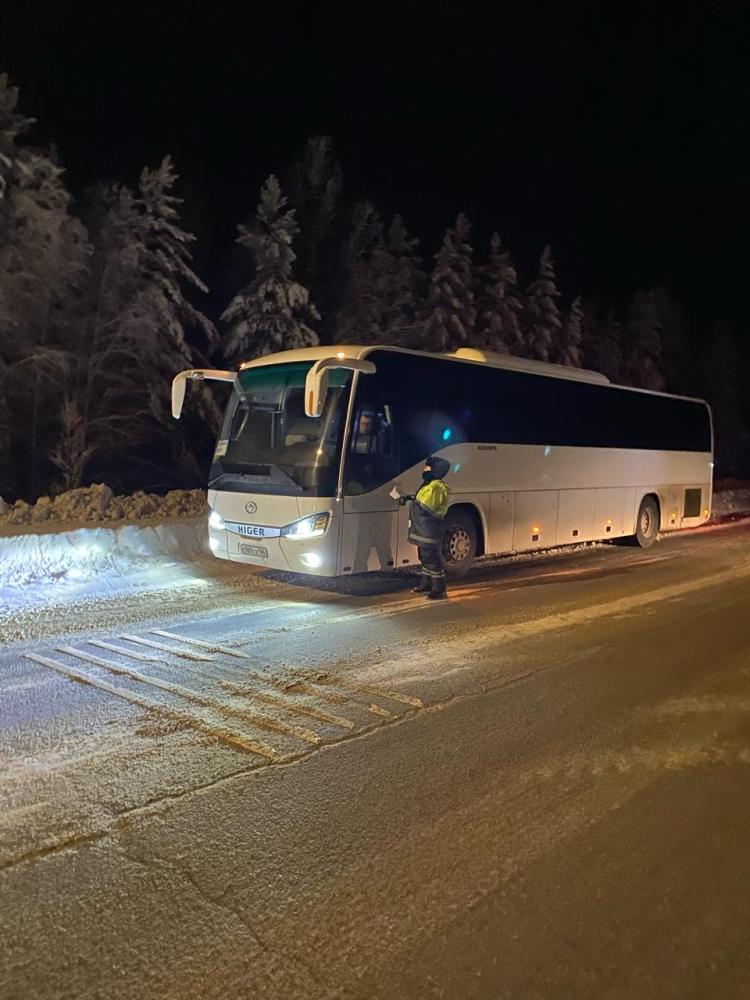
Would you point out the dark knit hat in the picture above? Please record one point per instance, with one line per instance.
(440, 466)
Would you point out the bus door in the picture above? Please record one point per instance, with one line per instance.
(370, 538)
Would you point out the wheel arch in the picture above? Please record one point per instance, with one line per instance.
(477, 515)
(653, 495)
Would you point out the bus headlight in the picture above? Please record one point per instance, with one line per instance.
(215, 520)
(307, 527)
(312, 560)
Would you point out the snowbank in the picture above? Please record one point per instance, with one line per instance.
(84, 562)
(94, 504)
(729, 503)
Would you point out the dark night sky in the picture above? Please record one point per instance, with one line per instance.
(616, 132)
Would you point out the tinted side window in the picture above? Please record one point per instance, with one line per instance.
(437, 403)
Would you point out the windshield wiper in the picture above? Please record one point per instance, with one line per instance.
(254, 479)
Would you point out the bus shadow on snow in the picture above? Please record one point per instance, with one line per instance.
(552, 565)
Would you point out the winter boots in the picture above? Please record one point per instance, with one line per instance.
(439, 591)
(424, 586)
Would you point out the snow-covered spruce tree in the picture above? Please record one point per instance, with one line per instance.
(166, 267)
(133, 333)
(403, 287)
(382, 281)
(500, 304)
(315, 194)
(602, 342)
(643, 350)
(43, 255)
(12, 125)
(451, 314)
(273, 311)
(570, 346)
(360, 279)
(542, 321)
(103, 400)
(678, 353)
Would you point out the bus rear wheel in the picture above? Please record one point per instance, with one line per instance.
(459, 544)
(647, 525)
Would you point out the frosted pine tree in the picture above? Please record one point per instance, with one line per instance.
(359, 316)
(677, 351)
(273, 311)
(136, 329)
(542, 321)
(103, 399)
(43, 256)
(12, 125)
(602, 343)
(403, 286)
(570, 348)
(451, 314)
(643, 354)
(167, 268)
(315, 193)
(500, 304)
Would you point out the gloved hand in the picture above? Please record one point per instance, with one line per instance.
(402, 501)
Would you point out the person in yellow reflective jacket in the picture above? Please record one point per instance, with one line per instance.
(427, 513)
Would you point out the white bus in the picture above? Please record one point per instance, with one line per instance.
(314, 442)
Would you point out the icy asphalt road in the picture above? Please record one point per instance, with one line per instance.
(245, 788)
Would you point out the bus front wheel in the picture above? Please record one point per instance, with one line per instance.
(647, 525)
(459, 543)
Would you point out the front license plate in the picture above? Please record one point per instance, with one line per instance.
(259, 551)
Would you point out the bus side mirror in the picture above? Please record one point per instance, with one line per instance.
(200, 375)
(316, 390)
(179, 385)
(316, 383)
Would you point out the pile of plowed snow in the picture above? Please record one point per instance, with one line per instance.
(94, 504)
(90, 542)
(730, 502)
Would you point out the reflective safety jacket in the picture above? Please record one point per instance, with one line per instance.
(428, 509)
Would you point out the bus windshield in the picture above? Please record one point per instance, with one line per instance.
(269, 444)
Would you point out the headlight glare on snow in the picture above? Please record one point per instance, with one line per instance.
(307, 527)
(215, 520)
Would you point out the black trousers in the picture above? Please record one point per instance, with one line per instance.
(432, 563)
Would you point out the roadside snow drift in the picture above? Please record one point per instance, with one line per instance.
(49, 553)
(94, 504)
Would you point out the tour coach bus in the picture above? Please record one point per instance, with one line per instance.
(316, 443)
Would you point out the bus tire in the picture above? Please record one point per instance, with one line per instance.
(647, 525)
(460, 542)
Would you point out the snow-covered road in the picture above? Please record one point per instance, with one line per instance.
(119, 710)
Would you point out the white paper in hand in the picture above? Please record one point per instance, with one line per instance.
(394, 494)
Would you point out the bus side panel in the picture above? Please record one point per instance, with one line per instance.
(575, 521)
(671, 507)
(614, 512)
(535, 523)
(500, 522)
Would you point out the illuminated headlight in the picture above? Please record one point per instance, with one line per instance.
(307, 527)
(311, 559)
(215, 520)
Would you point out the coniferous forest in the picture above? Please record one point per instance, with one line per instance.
(101, 303)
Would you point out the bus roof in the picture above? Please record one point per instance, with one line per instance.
(463, 354)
